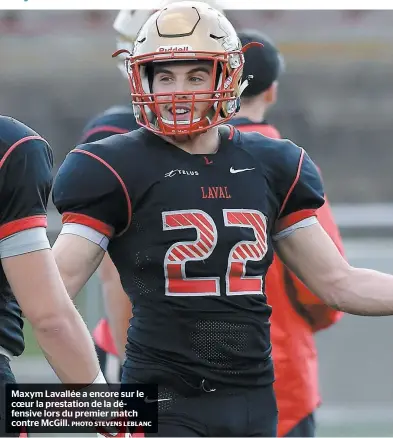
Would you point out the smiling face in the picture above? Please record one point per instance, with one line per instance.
(180, 80)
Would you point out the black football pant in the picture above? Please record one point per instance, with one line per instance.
(6, 376)
(305, 428)
(250, 412)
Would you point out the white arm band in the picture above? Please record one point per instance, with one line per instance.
(23, 242)
(87, 233)
(301, 224)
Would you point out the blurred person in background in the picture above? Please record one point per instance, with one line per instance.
(29, 279)
(110, 334)
(297, 313)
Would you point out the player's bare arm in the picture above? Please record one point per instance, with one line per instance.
(117, 304)
(27, 261)
(77, 259)
(57, 325)
(312, 256)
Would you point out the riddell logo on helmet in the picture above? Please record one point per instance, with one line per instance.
(176, 48)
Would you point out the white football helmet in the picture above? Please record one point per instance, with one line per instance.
(128, 23)
(186, 31)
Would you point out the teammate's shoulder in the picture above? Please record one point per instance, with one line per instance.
(14, 133)
(116, 141)
(120, 116)
(12, 130)
(115, 120)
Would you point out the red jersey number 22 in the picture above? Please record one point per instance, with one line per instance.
(237, 283)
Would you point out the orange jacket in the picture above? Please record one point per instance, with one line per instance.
(297, 315)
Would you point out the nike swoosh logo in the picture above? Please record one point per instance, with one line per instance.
(147, 400)
(232, 170)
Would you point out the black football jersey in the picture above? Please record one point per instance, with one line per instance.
(25, 183)
(115, 120)
(191, 237)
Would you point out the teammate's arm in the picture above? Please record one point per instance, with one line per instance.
(310, 253)
(57, 325)
(117, 305)
(29, 265)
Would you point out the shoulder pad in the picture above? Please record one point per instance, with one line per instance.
(271, 149)
(11, 131)
(115, 120)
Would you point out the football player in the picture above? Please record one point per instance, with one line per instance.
(110, 334)
(189, 211)
(301, 313)
(29, 278)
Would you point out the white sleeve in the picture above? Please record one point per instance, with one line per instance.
(87, 233)
(23, 242)
(301, 224)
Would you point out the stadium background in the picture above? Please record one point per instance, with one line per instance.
(336, 100)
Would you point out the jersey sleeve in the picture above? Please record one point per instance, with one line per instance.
(303, 194)
(91, 196)
(26, 180)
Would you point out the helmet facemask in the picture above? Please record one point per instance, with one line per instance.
(220, 100)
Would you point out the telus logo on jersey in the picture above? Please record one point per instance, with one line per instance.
(181, 172)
